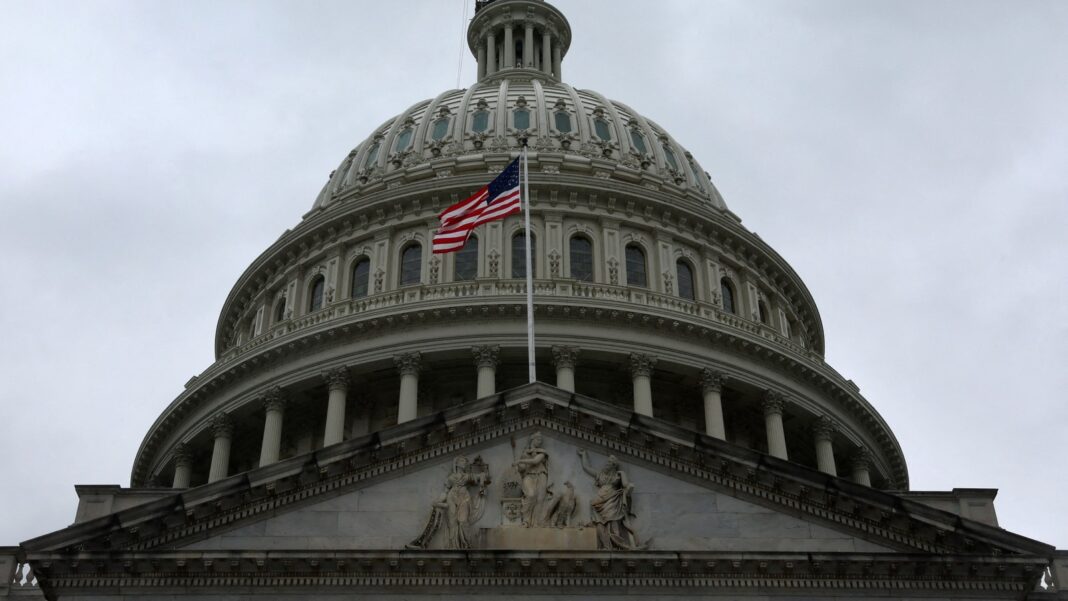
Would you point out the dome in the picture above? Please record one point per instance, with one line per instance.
(649, 294)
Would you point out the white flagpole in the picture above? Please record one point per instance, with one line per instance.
(530, 274)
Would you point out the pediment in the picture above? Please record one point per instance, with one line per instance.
(691, 492)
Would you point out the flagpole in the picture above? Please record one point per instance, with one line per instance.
(530, 274)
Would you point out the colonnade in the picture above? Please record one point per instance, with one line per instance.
(486, 360)
(492, 59)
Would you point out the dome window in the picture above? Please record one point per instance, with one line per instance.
(467, 260)
(581, 258)
(441, 128)
(669, 156)
(638, 141)
(411, 270)
(361, 273)
(252, 328)
(372, 156)
(636, 267)
(762, 311)
(685, 277)
(280, 310)
(315, 295)
(480, 122)
(726, 289)
(563, 122)
(404, 140)
(519, 255)
(600, 127)
(521, 119)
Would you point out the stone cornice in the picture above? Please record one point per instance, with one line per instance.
(580, 572)
(874, 515)
(335, 331)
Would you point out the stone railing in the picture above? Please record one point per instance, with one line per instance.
(18, 577)
(633, 298)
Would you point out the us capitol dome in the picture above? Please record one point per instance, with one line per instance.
(354, 369)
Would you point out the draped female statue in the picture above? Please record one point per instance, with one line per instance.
(533, 466)
(610, 509)
(456, 508)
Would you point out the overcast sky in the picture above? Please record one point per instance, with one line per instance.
(908, 158)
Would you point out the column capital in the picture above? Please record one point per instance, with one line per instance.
(222, 426)
(861, 459)
(183, 455)
(486, 355)
(712, 380)
(642, 365)
(274, 400)
(337, 379)
(408, 364)
(565, 356)
(772, 403)
(824, 428)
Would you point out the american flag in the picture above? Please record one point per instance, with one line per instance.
(496, 200)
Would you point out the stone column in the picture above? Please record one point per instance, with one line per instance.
(546, 53)
(509, 48)
(222, 428)
(557, 61)
(773, 405)
(408, 364)
(862, 467)
(564, 359)
(528, 47)
(486, 361)
(712, 387)
(183, 465)
(274, 404)
(824, 430)
(641, 372)
(481, 62)
(491, 54)
(337, 380)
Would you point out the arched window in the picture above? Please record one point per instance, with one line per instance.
(361, 274)
(636, 268)
(563, 122)
(670, 157)
(441, 127)
(581, 258)
(685, 277)
(638, 140)
(411, 268)
(600, 127)
(521, 118)
(467, 260)
(480, 122)
(315, 293)
(372, 156)
(519, 255)
(404, 139)
(762, 311)
(280, 309)
(726, 289)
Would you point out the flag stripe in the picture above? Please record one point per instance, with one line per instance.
(496, 200)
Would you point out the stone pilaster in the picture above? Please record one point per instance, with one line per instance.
(408, 365)
(861, 466)
(486, 361)
(641, 373)
(183, 465)
(773, 405)
(274, 405)
(564, 359)
(222, 429)
(337, 382)
(712, 389)
(823, 430)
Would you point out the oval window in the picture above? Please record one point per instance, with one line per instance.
(441, 127)
(563, 122)
(480, 123)
(404, 139)
(600, 127)
(521, 119)
(638, 140)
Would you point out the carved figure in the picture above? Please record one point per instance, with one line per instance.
(610, 509)
(561, 506)
(533, 467)
(456, 507)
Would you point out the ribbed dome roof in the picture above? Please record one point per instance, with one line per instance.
(463, 126)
